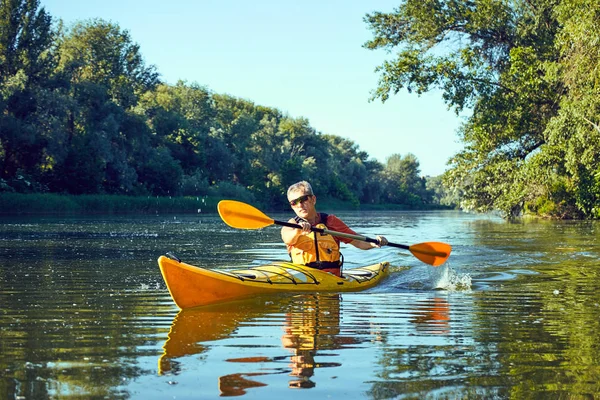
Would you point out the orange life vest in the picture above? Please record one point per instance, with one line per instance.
(304, 251)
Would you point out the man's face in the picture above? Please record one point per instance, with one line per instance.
(302, 203)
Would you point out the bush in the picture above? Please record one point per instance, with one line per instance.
(195, 185)
(16, 203)
(228, 190)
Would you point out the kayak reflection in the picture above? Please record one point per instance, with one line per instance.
(191, 327)
(310, 324)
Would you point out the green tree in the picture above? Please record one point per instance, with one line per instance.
(182, 117)
(573, 184)
(440, 194)
(267, 153)
(80, 112)
(236, 121)
(373, 187)
(492, 57)
(101, 52)
(403, 184)
(103, 72)
(348, 164)
(26, 62)
(26, 40)
(161, 173)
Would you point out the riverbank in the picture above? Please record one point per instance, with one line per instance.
(49, 203)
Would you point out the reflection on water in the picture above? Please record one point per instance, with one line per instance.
(310, 324)
(192, 327)
(312, 333)
(432, 315)
(513, 314)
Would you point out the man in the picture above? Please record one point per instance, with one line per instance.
(302, 244)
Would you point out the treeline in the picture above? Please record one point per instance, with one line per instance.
(81, 113)
(527, 72)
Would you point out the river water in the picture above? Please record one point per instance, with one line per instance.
(513, 314)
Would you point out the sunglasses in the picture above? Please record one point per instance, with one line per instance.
(300, 199)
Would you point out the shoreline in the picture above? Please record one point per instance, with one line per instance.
(62, 204)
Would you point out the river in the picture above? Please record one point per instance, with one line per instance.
(513, 314)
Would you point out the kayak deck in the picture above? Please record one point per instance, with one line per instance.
(192, 286)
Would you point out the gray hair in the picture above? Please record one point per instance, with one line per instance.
(302, 185)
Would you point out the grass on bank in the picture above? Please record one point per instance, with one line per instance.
(49, 203)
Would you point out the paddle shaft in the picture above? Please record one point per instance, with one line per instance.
(341, 234)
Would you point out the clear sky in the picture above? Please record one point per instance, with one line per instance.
(304, 58)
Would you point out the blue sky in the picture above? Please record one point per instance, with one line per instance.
(303, 58)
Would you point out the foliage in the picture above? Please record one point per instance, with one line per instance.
(81, 113)
(440, 195)
(403, 182)
(26, 62)
(528, 72)
(100, 53)
(18, 203)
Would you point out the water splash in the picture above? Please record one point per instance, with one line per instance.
(446, 278)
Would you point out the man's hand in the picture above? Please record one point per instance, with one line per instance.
(305, 227)
(382, 241)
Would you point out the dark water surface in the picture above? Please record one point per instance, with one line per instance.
(514, 314)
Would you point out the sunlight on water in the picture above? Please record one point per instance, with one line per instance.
(84, 313)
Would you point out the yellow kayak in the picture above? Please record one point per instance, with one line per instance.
(192, 286)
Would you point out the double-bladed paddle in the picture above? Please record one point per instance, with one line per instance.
(243, 216)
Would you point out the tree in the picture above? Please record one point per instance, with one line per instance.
(103, 73)
(347, 163)
(26, 61)
(161, 173)
(81, 113)
(237, 121)
(26, 40)
(181, 116)
(493, 57)
(373, 187)
(403, 184)
(574, 134)
(441, 195)
(100, 52)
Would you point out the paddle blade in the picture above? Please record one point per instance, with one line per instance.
(242, 216)
(432, 253)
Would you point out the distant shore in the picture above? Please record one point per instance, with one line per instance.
(50, 203)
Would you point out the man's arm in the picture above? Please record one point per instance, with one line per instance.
(290, 235)
(368, 245)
